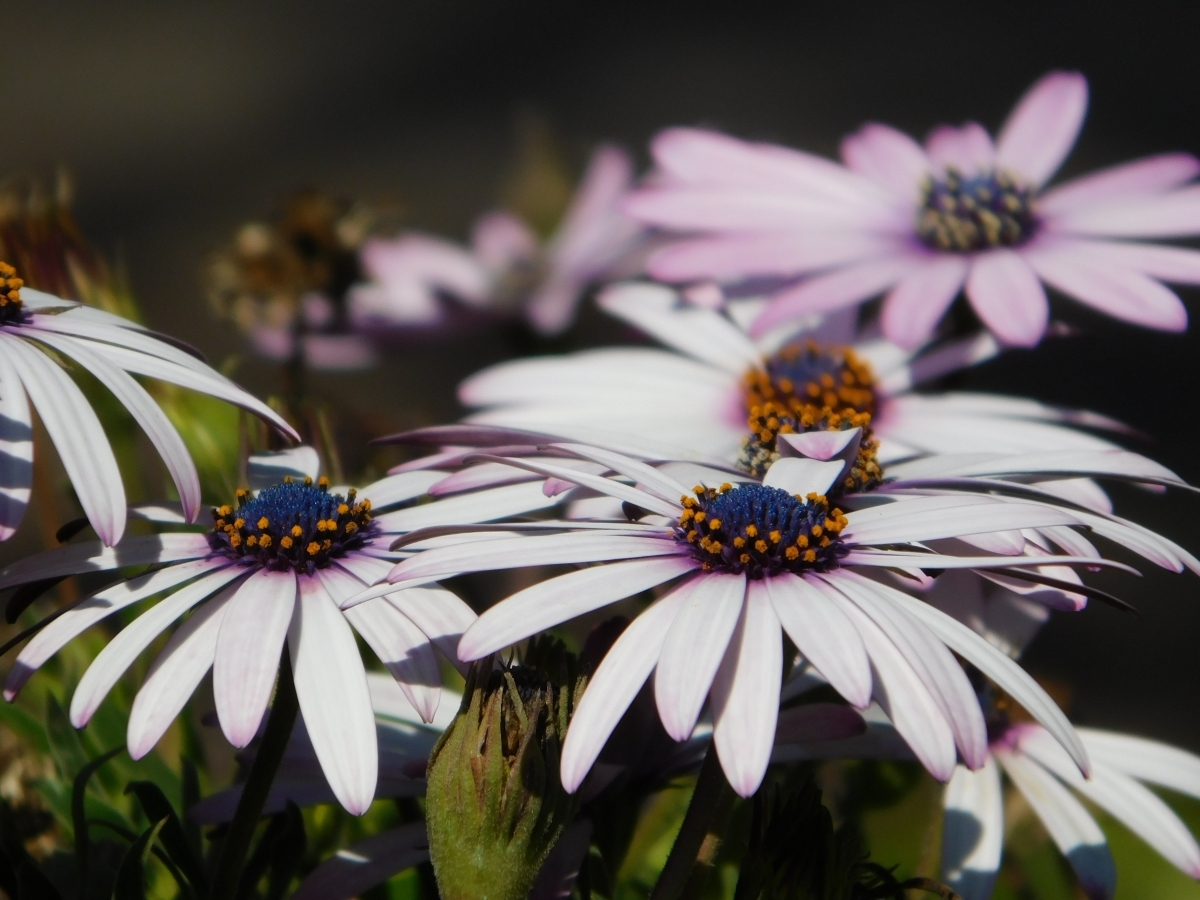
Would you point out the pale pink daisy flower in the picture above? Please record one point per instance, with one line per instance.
(697, 398)
(751, 561)
(272, 570)
(920, 224)
(507, 270)
(38, 329)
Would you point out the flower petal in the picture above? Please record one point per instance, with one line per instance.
(1077, 835)
(77, 435)
(973, 830)
(1042, 129)
(124, 649)
(968, 149)
(918, 302)
(350, 872)
(802, 477)
(888, 157)
(617, 681)
(331, 686)
(735, 256)
(823, 634)
(745, 693)
(16, 450)
(175, 674)
(248, 648)
(557, 600)
(1172, 214)
(1151, 175)
(479, 506)
(1008, 297)
(440, 613)
(1145, 760)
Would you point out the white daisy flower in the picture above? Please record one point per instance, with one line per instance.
(272, 569)
(752, 561)
(37, 332)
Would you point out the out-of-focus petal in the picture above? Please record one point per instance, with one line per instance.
(914, 306)
(1042, 129)
(1007, 295)
(968, 149)
(888, 157)
(1152, 175)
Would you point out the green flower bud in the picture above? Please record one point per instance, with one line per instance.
(495, 805)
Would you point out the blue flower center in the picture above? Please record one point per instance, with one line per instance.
(293, 525)
(761, 530)
(10, 294)
(960, 214)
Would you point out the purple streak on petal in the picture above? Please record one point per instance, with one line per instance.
(847, 286)
(77, 435)
(968, 149)
(694, 647)
(617, 681)
(175, 674)
(1151, 175)
(16, 450)
(557, 600)
(888, 157)
(1111, 288)
(124, 649)
(248, 648)
(1008, 297)
(824, 635)
(745, 693)
(914, 306)
(1042, 129)
(331, 687)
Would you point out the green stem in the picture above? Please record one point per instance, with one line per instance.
(258, 785)
(710, 804)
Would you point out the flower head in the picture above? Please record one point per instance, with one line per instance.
(919, 224)
(36, 331)
(274, 569)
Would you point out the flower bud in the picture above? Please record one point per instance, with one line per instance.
(495, 806)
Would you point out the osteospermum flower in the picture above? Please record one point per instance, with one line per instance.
(920, 224)
(274, 567)
(751, 561)
(973, 829)
(37, 331)
(727, 396)
(507, 269)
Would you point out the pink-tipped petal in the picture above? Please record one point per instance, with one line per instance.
(1152, 175)
(553, 602)
(745, 693)
(843, 287)
(248, 647)
(973, 831)
(968, 149)
(913, 307)
(1008, 297)
(331, 687)
(824, 635)
(888, 157)
(175, 674)
(1042, 129)
(694, 648)
(617, 681)
(1110, 288)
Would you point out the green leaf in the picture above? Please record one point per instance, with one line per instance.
(158, 809)
(131, 877)
(79, 816)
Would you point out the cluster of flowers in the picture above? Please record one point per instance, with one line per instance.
(772, 482)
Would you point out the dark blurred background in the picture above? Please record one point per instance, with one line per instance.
(179, 122)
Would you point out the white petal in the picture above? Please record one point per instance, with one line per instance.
(694, 648)
(481, 506)
(973, 831)
(556, 600)
(331, 687)
(92, 556)
(271, 467)
(1150, 761)
(745, 693)
(440, 613)
(248, 647)
(16, 450)
(802, 477)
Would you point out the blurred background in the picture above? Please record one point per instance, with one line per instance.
(180, 122)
